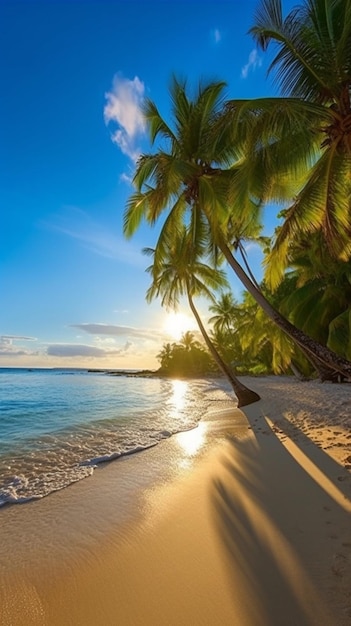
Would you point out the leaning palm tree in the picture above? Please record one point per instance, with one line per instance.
(190, 175)
(182, 273)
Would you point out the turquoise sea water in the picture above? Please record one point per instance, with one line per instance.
(57, 425)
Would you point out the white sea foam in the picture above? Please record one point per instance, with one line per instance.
(57, 429)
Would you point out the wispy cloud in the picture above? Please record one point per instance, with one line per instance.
(83, 350)
(8, 345)
(125, 178)
(76, 223)
(123, 107)
(254, 61)
(11, 338)
(216, 35)
(114, 330)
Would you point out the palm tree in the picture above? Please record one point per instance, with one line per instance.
(308, 129)
(190, 176)
(320, 290)
(225, 309)
(165, 355)
(183, 274)
(263, 339)
(188, 341)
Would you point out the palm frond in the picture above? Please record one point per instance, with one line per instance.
(156, 124)
(135, 211)
(339, 338)
(145, 170)
(322, 205)
(312, 40)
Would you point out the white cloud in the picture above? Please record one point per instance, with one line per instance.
(253, 62)
(123, 107)
(217, 35)
(7, 347)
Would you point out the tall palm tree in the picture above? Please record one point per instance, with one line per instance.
(183, 274)
(189, 175)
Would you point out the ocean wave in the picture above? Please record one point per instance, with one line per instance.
(34, 465)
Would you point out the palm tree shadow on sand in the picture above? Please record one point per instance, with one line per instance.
(285, 532)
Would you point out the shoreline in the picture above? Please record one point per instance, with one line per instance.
(245, 519)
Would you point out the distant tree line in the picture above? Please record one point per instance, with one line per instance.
(187, 357)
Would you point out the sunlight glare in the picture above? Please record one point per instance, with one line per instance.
(192, 440)
(176, 324)
(177, 399)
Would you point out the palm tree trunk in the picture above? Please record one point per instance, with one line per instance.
(328, 359)
(244, 394)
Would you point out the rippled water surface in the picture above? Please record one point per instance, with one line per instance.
(56, 425)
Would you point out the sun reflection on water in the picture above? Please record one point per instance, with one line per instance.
(190, 441)
(177, 399)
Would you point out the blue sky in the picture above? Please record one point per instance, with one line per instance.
(73, 76)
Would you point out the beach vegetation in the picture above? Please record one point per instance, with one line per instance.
(185, 358)
(199, 175)
(251, 341)
(319, 294)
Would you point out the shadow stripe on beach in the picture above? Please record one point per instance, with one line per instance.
(282, 531)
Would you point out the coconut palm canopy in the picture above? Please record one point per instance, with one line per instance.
(305, 135)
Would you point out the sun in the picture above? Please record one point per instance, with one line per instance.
(176, 324)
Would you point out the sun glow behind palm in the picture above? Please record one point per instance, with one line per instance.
(176, 324)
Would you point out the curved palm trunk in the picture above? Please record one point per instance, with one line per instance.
(244, 394)
(248, 269)
(328, 359)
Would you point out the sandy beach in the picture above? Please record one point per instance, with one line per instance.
(243, 521)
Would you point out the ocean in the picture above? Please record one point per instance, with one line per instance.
(57, 425)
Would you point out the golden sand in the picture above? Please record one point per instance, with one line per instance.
(244, 521)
